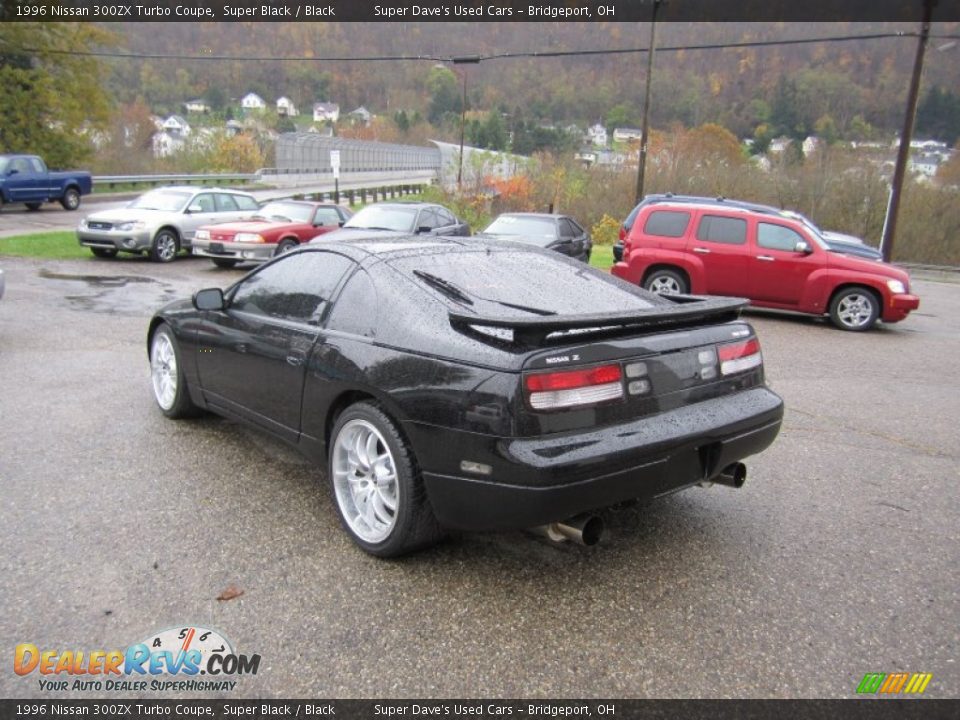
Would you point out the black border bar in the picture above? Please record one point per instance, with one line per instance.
(477, 10)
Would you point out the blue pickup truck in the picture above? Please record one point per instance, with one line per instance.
(25, 179)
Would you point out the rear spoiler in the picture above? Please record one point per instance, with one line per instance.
(686, 310)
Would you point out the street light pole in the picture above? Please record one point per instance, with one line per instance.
(903, 152)
(644, 129)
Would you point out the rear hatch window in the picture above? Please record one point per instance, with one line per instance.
(511, 283)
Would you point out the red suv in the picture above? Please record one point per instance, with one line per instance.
(768, 257)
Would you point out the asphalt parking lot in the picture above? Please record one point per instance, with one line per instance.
(839, 556)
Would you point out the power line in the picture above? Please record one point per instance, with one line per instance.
(475, 58)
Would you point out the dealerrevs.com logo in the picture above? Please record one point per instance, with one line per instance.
(176, 659)
(894, 683)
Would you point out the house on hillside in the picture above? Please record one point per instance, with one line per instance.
(234, 128)
(196, 106)
(286, 108)
(323, 112)
(360, 116)
(176, 126)
(597, 134)
(623, 135)
(164, 144)
(252, 101)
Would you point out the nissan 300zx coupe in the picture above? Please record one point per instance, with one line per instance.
(467, 384)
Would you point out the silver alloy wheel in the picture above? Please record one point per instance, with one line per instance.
(71, 199)
(365, 481)
(664, 285)
(855, 310)
(163, 370)
(166, 246)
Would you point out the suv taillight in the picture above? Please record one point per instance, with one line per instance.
(737, 357)
(570, 388)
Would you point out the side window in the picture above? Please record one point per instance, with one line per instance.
(446, 217)
(428, 218)
(777, 237)
(294, 288)
(714, 228)
(344, 215)
(327, 217)
(245, 202)
(226, 203)
(568, 229)
(667, 223)
(36, 166)
(20, 165)
(356, 308)
(205, 201)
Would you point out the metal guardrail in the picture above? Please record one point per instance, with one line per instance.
(921, 267)
(188, 179)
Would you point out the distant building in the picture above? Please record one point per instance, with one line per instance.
(252, 101)
(196, 106)
(779, 145)
(627, 134)
(360, 115)
(811, 145)
(597, 134)
(286, 108)
(176, 126)
(323, 112)
(234, 128)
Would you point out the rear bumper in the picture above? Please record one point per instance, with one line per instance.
(535, 481)
(899, 307)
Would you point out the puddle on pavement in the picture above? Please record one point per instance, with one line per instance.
(114, 294)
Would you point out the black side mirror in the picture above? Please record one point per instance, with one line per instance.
(424, 229)
(208, 299)
(12, 171)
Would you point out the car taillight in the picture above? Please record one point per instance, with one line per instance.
(623, 233)
(739, 356)
(568, 388)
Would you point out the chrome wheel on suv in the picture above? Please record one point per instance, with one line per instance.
(665, 282)
(854, 309)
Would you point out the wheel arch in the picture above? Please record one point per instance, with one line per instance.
(351, 397)
(174, 230)
(673, 267)
(877, 294)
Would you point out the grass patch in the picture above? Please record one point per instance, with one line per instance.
(601, 257)
(60, 245)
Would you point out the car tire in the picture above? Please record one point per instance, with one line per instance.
(71, 199)
(33, 205)
(224, 263)
(666, 282)
(165, 246)
(285, 245)
(104, 252)
(371, 467)
(166, 375)
(855, 309)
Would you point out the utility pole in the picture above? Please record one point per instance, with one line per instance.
(645, 127)
(467, 60)
(903, 152)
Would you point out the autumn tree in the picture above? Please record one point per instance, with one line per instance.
(444, 92)
(54, 101)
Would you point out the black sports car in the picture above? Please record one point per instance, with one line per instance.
(463, 383)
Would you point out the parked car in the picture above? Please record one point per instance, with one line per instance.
(549, 231)
(399, 218)
(26, 179)
(470, 384)
(162, 222)
(774, 260)
(276, 228)
(837, 242)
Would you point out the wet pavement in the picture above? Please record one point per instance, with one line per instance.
(838, 557)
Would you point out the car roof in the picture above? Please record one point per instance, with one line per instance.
(198, 188)
(545, 216)
(311, 203)
(406, 203)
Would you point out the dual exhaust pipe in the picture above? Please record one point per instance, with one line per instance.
(586, 529)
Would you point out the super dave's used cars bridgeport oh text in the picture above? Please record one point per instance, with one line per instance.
(471, 384)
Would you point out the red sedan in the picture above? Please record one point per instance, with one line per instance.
(276, 228)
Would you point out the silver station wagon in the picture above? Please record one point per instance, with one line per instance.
(162, 222)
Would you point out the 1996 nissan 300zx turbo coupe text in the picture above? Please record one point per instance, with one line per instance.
(458, 383)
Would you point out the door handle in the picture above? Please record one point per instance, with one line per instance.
(702, 251)
(295, 360)
(766, 258)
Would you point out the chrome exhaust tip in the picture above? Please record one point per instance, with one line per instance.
(585, 529)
